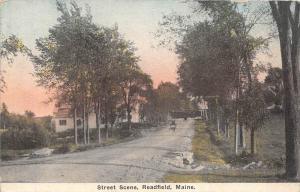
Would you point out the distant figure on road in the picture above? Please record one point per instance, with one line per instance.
(173, 125)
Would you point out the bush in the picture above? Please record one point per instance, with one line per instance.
(35, 137)
(134, 125)
(64, 148)
(66, 133)
(243, 159)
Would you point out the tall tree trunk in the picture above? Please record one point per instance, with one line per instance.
(87, 127)
(252, 140)
(241, 135)
(290, 118)
(98, 122)
(111, 122)
(75, 125)
(290, 61)
(111, 130)
(129, 117)
(244, 137)
(227, 128)
(106, 120)
(298, 113)
(218, 125)
(295, 54)
(236, 129)
(218, 116)
(236, 138)
(84, 124)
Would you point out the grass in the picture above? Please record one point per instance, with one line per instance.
(269, 141)
(232, 176)
(203, 145)
(207, 146)
(7, 154)
(68, 146)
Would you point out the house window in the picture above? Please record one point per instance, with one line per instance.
(62, 122)
(78, 122)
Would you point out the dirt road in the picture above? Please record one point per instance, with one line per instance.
(142, 160)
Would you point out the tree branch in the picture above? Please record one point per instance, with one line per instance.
(297, 12)
(275, 13)
(292, 21)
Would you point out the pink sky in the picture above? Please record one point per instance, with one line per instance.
(22, 92)
(137, 20)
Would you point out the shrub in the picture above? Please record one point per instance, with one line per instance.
(243, 159)
(64, 148)
(135, 125)
(34, 137)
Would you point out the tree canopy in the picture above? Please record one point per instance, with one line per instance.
(92, 68)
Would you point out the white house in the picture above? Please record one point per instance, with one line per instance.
(63, 119)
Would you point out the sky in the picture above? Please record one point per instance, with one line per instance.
(137, 20)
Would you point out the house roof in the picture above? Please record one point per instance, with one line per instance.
(62, 113)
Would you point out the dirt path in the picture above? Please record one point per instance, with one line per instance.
(142, 160)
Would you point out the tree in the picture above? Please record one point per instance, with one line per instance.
(25, 133)
(88, 67)
(239, 24)
(219, 52)
(134, 84)
(29, 114)
(168, 99)
(4, 116)
(64, 63)
(253, 111)
(161, 101)
(9, 48)
(274, 86)
(204, 62)
(148, 110)
(114, 57)
(286, 15)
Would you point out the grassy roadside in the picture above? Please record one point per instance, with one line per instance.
(10, 154)
(203, 146)
(67, 147)
(71, 147)
(208, 148)
(232, 176)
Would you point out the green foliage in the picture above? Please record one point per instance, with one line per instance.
(28, 138)
(169, 97)
(163, 100)
(29, 114)
(89, 66)
(218, 59)
(9, 48)
(24, 131)
(135, 86)
(274, 86)
(64, 148)
(253, 107)
(46, 122)
(4, 115)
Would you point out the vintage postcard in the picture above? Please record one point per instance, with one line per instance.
(149, 95)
